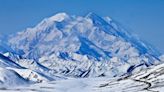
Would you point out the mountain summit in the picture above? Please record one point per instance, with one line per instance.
(83, 46)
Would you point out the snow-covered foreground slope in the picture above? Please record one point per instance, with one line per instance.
(149, 80)
(13, 74)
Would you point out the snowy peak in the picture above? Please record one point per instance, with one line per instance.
(58, 17)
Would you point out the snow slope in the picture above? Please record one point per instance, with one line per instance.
(6, 62)
(11, 78)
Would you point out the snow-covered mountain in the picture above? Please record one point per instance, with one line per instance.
(65, 47)
(83, 46)
(68, 34)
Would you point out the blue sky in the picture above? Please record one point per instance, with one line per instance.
(144, 17)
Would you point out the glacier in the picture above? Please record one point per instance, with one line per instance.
(68, 49)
